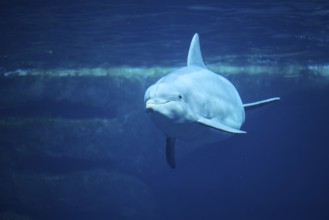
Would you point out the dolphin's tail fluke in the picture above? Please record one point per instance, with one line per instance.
(170, 151)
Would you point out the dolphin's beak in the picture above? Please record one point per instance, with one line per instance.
(149, 107)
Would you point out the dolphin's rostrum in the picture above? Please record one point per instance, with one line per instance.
(195, 104)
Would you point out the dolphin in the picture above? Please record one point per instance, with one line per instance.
(194, 104)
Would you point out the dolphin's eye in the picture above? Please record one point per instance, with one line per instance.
(180, 96)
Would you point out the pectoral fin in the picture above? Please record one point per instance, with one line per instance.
(219, 126)
(252, 105)
(170, 151)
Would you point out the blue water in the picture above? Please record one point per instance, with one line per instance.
(80, 33)
(83, 148)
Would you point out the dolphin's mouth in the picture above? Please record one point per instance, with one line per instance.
(151, 104)
(156, 102)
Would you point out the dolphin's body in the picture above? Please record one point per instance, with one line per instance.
(195, 104)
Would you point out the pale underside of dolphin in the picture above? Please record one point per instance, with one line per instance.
(196, 105)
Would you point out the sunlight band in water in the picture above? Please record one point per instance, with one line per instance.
(286, 71)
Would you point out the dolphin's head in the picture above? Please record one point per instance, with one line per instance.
(167, 106)
(164, 101)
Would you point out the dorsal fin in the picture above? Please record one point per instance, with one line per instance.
(194, 57)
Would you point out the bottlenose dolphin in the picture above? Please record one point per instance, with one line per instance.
(195, 104)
